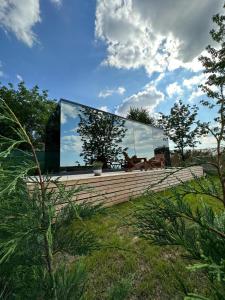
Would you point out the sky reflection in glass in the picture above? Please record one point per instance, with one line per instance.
(136, 138)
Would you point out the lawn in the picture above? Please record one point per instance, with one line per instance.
(130, 266)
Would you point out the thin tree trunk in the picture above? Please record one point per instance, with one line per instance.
(219, 152)
(47, 243)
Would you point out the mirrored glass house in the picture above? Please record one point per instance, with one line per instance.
(78, 135)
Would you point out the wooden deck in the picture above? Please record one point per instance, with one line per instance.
(114, 188)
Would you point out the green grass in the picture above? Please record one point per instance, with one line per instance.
(127, 267)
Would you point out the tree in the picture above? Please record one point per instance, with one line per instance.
(181, 126)
(214, 64)
(172, 220)
(34, 233)
(101, 135)
(140, 115)
(33, 109)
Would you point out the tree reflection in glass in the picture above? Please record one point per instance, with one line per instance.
(87, 134)
(101, 136)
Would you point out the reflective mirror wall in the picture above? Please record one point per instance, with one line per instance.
(88, 134)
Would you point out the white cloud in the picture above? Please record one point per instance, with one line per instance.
(109, 92)
(148, 98)
(19, 77)
(155, 35)
(1, 71)
(19, 17)
(207, 142)
(68, 111)
(174, 89)
(159, 78)
(192, 85)
(194, 81)
(72, 143)
(195, 94)
(104, 108)
(121, 90)
(57, 2)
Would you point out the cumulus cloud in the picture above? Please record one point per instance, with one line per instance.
(192, 85)
(174, 89)
(109, 92)
(72, 143)
(195, 94)
(194, 80)
(147, 98)
(155, 35)
(19, 17)
(68, 111)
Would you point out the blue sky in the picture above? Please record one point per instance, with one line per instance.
(109, 54)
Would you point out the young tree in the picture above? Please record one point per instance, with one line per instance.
(34, 217)
(140, 115)
(214, 64)
(33, 109)
(172, 220)
(181, 127)
(101, 135)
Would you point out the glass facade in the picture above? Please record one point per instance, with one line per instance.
(87, 135)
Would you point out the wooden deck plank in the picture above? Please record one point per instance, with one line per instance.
(113, 189)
